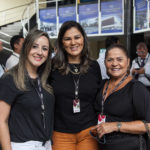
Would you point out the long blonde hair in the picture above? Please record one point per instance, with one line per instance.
(19, 72)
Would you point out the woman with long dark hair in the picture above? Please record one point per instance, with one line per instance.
(75, 79)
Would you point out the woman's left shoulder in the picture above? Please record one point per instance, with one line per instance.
(137, 84)
(139, 88)
(94, 63)
(95, 69)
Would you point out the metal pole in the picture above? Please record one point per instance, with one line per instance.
(37, 14)
(128, 24)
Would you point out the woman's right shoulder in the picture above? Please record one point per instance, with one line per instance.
(7, 81)
(6, 77)
(102, 84)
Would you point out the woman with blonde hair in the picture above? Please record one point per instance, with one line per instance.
(26, 99)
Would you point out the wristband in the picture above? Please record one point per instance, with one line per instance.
(119, 126)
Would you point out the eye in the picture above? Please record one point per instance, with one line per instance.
(45, 48)
(77, 37)
(66, 39)
(109, 59)
(35, 46)
(119, 59)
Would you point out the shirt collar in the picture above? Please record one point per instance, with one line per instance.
(139, 58)
(16, 54)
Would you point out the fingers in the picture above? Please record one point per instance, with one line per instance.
(93, 128)
(100, 132)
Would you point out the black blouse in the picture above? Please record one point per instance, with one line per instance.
(132, 102)
(25, 122)
(64, 89)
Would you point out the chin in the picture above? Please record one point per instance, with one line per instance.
(37, 65)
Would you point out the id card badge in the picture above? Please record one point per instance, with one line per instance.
(76, 106)
(101, 118)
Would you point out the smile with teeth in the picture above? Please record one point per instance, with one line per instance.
(38, 58)
(74, 48)
(115, 69)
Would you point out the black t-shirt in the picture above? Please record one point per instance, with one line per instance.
(4, 55)
(25, 120)
(130, 103)
(64, 89)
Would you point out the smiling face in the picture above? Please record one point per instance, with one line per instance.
(38, 53)
(117, 63)
(73, 43)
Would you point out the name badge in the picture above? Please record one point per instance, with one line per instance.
(101, 118)
(76, 106)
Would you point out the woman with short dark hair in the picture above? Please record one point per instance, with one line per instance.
(123, 104)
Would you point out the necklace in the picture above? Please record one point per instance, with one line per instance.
(74, 69)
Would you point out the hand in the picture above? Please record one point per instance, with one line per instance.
(138, 71)
(105, 128)
(141, 71)
(134, 71)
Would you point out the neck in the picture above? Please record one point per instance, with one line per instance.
(32, 72)
(73, 60)
(115, 81)
(16, 51)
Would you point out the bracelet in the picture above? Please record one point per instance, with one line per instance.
(119, 126)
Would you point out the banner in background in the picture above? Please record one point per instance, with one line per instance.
(48, 21)
(111, 16)
(141, 13)
(66, 14)
(149, 15)
(88, 18)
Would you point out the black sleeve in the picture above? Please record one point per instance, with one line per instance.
(141, 101)
(98, 71)
(8, 90)
(98, 101)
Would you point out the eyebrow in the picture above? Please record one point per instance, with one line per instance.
(74, 36)
(115, 57)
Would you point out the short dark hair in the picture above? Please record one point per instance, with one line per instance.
(60, 61)
(110, 41)
(15, 40)
(141, 45)
(121, 47)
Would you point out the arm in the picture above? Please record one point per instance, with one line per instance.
(141, 105)
(146, 68)
(4, 129)
(133, 127)
(139, 71)
(133, 69)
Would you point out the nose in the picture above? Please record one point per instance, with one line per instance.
(73, 41)
(39, 51)
(114, 63)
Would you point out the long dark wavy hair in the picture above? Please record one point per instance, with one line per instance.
(19, 72)
(60, 61)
